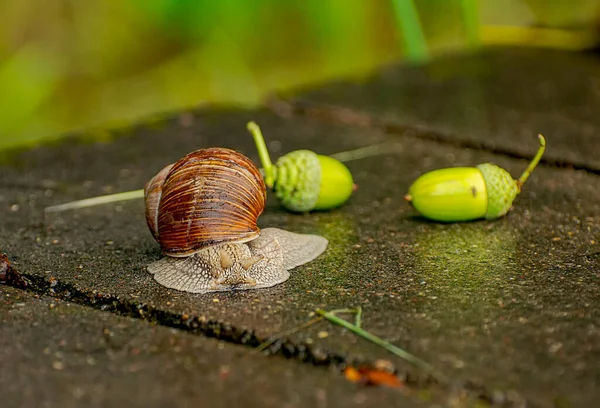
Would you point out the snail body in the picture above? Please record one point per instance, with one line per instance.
(302, 180)
(203, 211)
(468, 193)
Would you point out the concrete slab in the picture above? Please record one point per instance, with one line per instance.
(511, 305)
(59, 354)
(496, 100)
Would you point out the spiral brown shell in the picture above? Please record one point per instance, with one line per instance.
(209, 197)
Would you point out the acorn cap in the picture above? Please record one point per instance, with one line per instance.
(298, 180)
(501, 190)
(306, 181)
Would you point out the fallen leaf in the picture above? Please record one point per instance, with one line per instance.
(352, 374)
(370, 376)
(378, 377)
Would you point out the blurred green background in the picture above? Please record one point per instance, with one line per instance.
(67, 65)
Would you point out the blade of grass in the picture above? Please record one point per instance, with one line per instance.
(364, 152)
(90, 202)
(358, 317)
(374, 339)
(470, 14)
(349, 155)
(407, 19)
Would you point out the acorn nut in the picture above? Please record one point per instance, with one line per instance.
(302, 180)
(468, 193)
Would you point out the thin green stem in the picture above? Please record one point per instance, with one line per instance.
(263, 153)
(90, 202)
(374, 339)
(533, 163)
(407, 18)
(470, 13)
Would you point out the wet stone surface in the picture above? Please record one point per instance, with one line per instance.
(511, 304)
(498, 99)
(58, 354)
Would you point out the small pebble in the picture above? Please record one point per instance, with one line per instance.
(224, 370)
(78, 393)
(124, 173)
(15, 207)
(322, 334)
(385, 365)
(555, 347)
(58, 365)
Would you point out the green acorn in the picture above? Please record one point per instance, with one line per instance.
(303, 180)
(468, 193)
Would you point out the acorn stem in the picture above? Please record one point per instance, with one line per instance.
(533, 163)
(263, 153)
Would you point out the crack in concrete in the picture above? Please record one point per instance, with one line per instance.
(200, 325)
(354, 117)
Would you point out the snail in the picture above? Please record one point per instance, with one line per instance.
(468, 193)
(203, 210)
(302, 180)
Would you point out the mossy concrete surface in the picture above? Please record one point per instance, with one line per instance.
(506, 310)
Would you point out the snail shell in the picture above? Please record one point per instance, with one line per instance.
(203, 211)
(210, 196)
